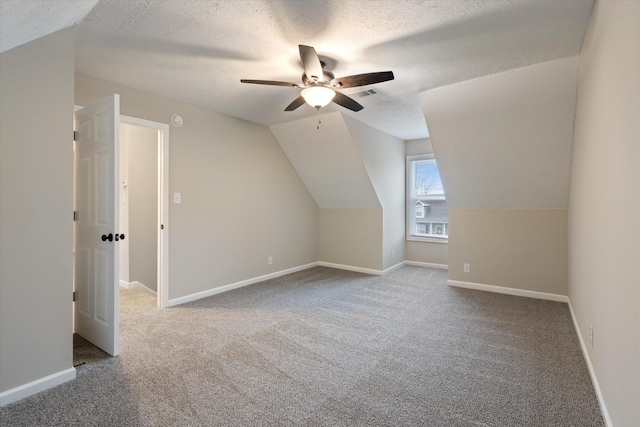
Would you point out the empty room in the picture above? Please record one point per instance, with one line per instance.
(320, 213)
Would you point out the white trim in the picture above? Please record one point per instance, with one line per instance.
(36, 386)
(393, 267)
(163, 203)
(509, 291)
(411, 199)
(125, 285)
(351, 268)
(137, 285)
(412, 238)
(592, 372)
(231, 286)
(427, 264)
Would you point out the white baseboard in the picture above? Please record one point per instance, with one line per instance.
(351, 268)
(427, 264)
(231, 286)
(509, 291)
(592, 372)
(33, 387)
(393, 267)
(125, 285)
(137, 285)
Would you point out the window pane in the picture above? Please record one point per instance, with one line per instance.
(426, 204)
(427, 180)
(438, 229)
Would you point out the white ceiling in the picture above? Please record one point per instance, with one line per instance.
(24, 20)
(197, 51)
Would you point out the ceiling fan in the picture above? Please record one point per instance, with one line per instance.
(318, 85)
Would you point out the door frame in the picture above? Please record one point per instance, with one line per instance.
(163, 203)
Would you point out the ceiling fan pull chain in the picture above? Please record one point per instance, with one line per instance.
(319, 120)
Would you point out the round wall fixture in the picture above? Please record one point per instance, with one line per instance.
(177, 121)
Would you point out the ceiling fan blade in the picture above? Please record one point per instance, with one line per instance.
(310, 62)
(295, 104)
(269, 82)
(346, 102)
(364, 79)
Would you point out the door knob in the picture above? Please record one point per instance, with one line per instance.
(108, 237)
(119, 237)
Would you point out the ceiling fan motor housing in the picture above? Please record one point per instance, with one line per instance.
(327, 78)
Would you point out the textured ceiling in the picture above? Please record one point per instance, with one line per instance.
(24, 20)
(197, 51)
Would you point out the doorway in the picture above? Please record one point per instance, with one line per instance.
(143, 197)
(96, 204)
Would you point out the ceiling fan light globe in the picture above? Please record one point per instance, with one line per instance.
(318, 96)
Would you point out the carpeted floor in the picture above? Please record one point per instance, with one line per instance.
(324, 347)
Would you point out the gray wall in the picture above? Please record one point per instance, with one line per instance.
(242, 201)
(142, 147)
(604, 205)
(383, 158)
(36, 190)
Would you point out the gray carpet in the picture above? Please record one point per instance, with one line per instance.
(324, 347)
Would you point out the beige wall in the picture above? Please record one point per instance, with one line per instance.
(351, 237)
(142, 206)
(521, 249)
(503, 146)
(36, 169)
(355, 174)
(427, 252)
(383, 158)
(604, 205)
(242, 201)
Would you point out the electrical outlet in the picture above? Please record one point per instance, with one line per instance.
(270, 260)
(591, 336)
(393, 254)
(467, 268)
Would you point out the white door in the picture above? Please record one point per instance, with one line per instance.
(96, 225)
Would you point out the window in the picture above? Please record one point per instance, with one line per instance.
(427, 212)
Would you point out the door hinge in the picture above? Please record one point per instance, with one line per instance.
(75, 215)
(75, 135)
(75, 296)
(161, 226)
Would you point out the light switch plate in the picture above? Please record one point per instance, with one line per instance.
(177, 198)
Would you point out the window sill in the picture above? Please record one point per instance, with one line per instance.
(426, 239)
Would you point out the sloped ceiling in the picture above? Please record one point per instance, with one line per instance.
(327, 160)
(504, 141)
(197, 51)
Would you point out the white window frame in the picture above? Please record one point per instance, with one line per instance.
(411, 201)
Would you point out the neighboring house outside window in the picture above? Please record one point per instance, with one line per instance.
(427, 212)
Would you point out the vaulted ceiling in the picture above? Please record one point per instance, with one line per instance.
(197, 51)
